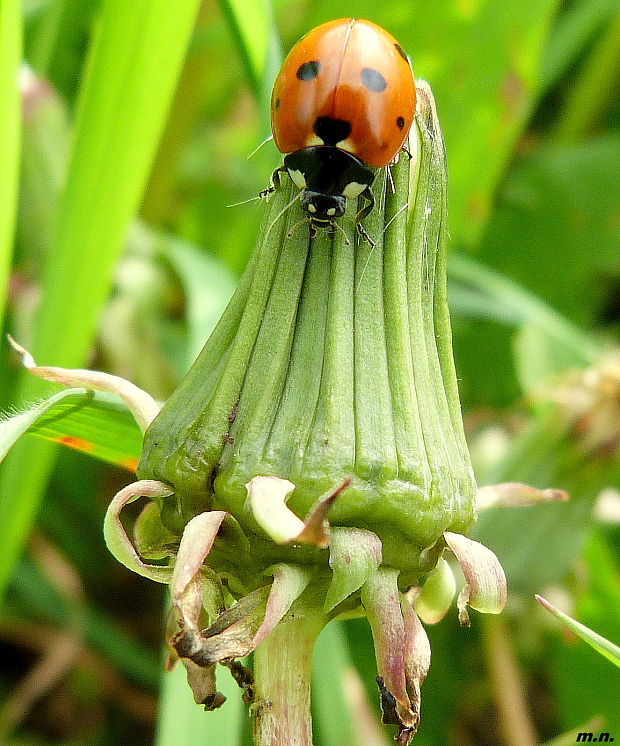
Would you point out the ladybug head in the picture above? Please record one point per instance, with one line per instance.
(323, 207)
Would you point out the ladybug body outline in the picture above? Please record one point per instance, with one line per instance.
(341, 106)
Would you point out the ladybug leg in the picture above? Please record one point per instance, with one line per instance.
(275, 182)
(369, 197)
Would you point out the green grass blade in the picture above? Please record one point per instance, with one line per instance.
(12, 428)
(92, 422)
(10, 128)
(606, 648)
(134, 62)
(251, 24)
(133, 66)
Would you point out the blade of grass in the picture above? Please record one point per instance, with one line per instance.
(10, 127)
(92, 422)
(134, 61)
(606, 648)
(252, 28)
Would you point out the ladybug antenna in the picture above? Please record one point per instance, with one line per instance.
(259, 146)
(283, 210)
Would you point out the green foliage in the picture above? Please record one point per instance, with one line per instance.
(145, 118)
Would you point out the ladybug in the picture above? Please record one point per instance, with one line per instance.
(341, 105)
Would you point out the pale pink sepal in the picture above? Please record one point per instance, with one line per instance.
(142, 405)
(268, 496)
(515, 495)
(116, 537)
(417, 655)
(485, 589)
(381, 600)
(186, 586)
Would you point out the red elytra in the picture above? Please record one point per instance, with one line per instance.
(347, 84)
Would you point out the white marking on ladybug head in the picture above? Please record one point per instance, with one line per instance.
(297, 178)
(331, 211)
(312, 208)
(353, 189)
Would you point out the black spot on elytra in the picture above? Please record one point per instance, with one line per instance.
(401, 51)
(309, 70)
(400, 122)
(373, 80)
(276, 104)
(331, 131)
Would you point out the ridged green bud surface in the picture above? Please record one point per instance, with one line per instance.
(333, 361)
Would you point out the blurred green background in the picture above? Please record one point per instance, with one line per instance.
(121, 149)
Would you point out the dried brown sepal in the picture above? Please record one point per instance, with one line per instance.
(229, 636)
(237, 631)
(202, 683)
(244, 678)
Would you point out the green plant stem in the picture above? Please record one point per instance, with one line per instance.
(514, 721)
(282, 673)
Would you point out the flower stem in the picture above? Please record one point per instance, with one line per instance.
(282, 681)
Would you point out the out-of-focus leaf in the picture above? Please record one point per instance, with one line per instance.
(538, 356)
(483, 60)
(208, 287)
(330, 662)
(252, 25)
(502, 299)
(555, 232)
(56, 34)
(94, 423)
(575, 26)
(599, 76)
(46, 133)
